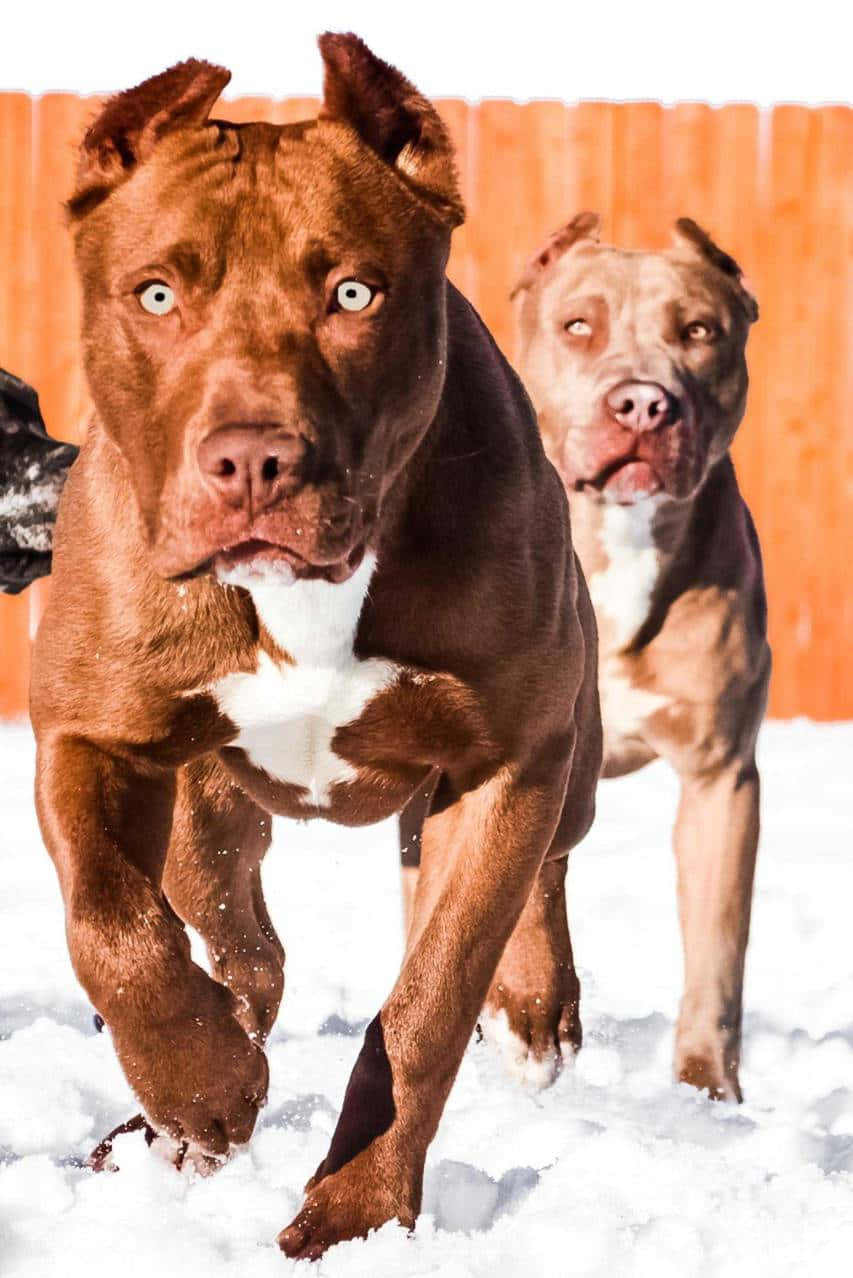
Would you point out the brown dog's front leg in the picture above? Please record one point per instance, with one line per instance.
(106, 821)
(490, 845)
(716, 839)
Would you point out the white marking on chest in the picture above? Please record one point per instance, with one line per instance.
(621, 592)
(624, 707)
(288, 713)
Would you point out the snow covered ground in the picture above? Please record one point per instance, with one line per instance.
(616, 1171)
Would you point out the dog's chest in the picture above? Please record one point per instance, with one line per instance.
(621, 592)
(289, 709)
(622, 588)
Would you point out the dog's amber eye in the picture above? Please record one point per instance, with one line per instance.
(697, 332)
(156, 298)
(578, 328)
(352, 295)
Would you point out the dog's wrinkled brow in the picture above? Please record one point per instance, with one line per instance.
(186, 259)
(317, 261)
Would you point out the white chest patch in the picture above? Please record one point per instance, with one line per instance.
(621, 593)
(624, 707)
(287, 713)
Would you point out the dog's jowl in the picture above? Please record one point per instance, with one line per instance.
(312, 560)
(636, 364)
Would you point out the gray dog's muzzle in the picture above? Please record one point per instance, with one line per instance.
(33, 469)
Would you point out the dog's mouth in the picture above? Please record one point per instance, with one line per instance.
(247, 563)
(625, 481)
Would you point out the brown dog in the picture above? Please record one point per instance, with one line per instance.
(312, 560)
(636, 364)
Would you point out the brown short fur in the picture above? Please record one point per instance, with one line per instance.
(636, 364)
(399, 434)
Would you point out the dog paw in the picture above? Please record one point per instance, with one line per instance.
(180, 1154)
(533, 1039)
(101, 1157)
(198, 1076)
(534, 1066)
(347, 1204)
(705, 1075)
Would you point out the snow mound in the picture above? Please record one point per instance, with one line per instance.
(616, 1170)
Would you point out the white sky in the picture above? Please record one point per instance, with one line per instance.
(717, 50)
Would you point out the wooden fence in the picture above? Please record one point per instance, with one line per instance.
(775, 189)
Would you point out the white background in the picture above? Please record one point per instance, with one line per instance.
(716, 50)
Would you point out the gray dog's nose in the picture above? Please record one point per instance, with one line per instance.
(641, 405)
(253, 466)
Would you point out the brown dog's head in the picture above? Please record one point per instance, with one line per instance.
(264, 309)
(635, 361)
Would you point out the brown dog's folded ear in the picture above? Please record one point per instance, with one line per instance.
(583, 226)
(393, 119)
(131, 123)
(689, 234)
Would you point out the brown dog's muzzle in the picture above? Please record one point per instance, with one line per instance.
(252, 467)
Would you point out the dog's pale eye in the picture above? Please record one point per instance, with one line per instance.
(156, 298)
(697, 332)
(579, 328)
(352, 295)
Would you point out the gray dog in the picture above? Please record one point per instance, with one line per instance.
(33, 468)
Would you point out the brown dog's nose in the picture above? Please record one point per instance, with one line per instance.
(641, 405)
(253, 466)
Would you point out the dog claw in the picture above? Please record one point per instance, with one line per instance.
(295, 1242)
(98, 1160)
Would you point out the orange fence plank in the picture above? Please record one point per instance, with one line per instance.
(789, 327)
(589, 168)
(774, 189)
(60, 119)
(636, 219)
(460, 120)
(17, 339)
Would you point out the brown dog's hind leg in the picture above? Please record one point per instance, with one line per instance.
(213, 881)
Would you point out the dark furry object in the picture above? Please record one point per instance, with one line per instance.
(33, 468)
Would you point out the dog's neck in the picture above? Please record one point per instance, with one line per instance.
(627, 553)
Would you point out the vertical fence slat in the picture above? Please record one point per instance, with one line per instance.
(459, 118)
(824, 487)
(789, 328)
(775, 191)
(736, 188)
(637, 158)
(16, 348)
(60, 121)
(497, 177)
(589, 166)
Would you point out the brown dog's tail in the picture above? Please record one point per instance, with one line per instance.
(33, 469)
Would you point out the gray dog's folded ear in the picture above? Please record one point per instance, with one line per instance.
(690, 236)
(131, 124)
(393, 119)
(583, 226)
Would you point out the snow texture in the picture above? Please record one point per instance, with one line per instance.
(614, 1171)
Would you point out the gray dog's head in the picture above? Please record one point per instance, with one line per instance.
(635, 361)
(33, 468)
